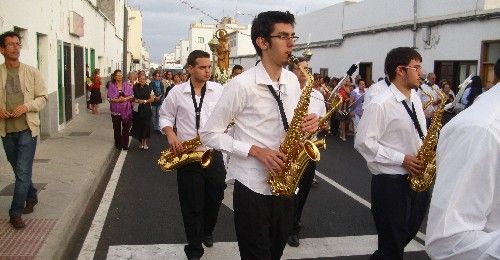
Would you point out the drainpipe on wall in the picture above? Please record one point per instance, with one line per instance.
(414, 24)
(125, 40)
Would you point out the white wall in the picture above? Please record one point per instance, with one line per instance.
(450, 41)
(99, 34)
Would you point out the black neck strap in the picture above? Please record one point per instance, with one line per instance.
(280, 106)
(197, 108)
(413, 116)
(387, 81)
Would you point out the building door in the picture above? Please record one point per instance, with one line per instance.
(454, 71)
(92, 61)
(490, 53)
(365, 71)
(60, 88)
(79, 72)
(68, 97)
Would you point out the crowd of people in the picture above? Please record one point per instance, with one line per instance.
(389, 119)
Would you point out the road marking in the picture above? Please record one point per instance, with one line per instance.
(90, 244)
(309, 248)
(354, 196)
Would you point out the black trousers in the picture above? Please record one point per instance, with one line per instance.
(263, 223)
(301, 197)
(121, 129)
(200, 195)
(398, 212)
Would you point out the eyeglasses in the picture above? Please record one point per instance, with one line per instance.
(285, 37)
(416, 68)
(14, 44)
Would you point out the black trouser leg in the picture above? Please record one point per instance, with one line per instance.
(215, 176)
(262, 223)
(117, 129)
(301, 197)
(398, 213)
(200, 195)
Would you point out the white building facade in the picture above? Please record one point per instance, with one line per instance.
(201, 33)
(454, 37)
(137, 54)
(60, 38)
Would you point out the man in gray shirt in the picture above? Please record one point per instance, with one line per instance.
(22, 95)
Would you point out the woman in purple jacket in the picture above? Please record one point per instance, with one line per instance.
(120, 96)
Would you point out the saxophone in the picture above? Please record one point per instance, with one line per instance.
(285, 183)
(427, 152)
(431, 99)
(168, 161)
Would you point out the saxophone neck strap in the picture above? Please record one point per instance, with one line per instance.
(413, 115)
(280, 106)
(197, 107)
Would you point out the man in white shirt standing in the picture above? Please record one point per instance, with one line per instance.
(201, 190)
(464, 215)
(389, 136)
(429, 88)
(261, 103)
(374, 90)
(318, 107)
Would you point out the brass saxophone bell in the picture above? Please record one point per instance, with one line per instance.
(206, 158)
(312, 150)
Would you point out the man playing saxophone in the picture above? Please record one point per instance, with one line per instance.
(261, 102)
(200, 190)
(316, 106)
(389, 136)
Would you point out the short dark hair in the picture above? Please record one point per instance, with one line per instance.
(191, 60)
(237, 67)
(497, 69)
(156, 72)
(8, 34)
(400, 56)
(263, 26)
(292, 65)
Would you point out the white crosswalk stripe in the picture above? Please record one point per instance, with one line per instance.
(309, 248)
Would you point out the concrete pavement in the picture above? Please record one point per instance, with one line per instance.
(68, 170)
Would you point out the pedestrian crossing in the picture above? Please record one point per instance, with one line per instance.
(309, 248)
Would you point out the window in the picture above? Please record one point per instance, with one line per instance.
(201, 40)
(323, 72)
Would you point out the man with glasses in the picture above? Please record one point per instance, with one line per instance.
(389, 136)
(260, 102)
(22, 95)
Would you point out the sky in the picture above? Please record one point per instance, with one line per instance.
(166, 22)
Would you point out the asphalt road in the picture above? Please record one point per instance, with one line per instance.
(144, 219)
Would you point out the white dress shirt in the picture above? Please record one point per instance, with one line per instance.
(464, 215)
(317, 103)
(373, 91)
(257, 121)
(178, 109)
(386, 132)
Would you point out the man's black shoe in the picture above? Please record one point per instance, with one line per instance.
(293, 241)
(194, 258)
(209, 241)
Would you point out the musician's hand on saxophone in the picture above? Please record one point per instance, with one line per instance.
(273, 160)
(413, 165)
(310, 123)
(174, 143)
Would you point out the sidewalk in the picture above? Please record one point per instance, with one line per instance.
(67, 170)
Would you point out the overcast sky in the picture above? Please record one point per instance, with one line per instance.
(165, 22)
